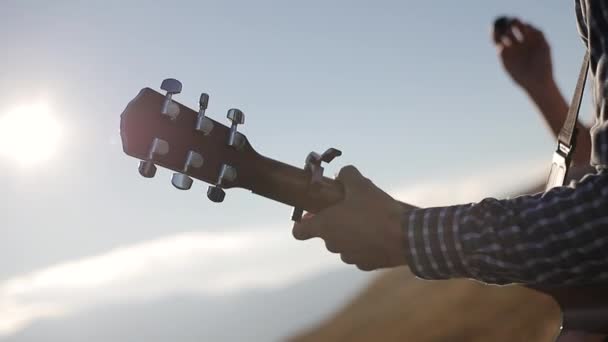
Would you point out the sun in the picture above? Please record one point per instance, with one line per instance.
(29, 134)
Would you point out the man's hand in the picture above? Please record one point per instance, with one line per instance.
(524, 52)
(365, 228)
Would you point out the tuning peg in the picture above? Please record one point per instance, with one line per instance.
(182, 181)
(158, 147)
(203, 102)
(203, 123)
(235, 139)
(147, 168)
(172, 87)
(215, 193)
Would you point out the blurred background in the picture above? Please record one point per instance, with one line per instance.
(411, 91)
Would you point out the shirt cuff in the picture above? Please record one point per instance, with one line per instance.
(432, 243)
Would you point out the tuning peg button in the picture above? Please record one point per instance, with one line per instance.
(203, 102)
(236, 116)
(216, 194)
(181, 181)
(147, 168)
(172, 87)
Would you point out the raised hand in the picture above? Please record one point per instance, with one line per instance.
(365, 228)
(524, 53)
(526, 56)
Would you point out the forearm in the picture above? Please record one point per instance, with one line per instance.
(554, 109)
(551, 238)
(550, 103)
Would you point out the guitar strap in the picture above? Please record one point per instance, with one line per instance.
(566, 140)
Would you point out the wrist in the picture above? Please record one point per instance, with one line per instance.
(397, 237)
(543, 89)
(550, 102)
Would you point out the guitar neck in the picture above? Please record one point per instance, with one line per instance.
(291, 185)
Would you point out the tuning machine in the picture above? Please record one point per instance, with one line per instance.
(313, 166)
(235, 139)
(203, 123)
(158, 147)
(179, 179)
(172, 87)
(215, 193)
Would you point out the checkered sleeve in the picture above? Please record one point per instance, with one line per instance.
(557, 237)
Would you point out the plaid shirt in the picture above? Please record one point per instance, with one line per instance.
(556, 237)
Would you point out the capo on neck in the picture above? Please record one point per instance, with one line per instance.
(313, 167)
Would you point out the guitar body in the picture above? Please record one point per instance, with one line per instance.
(171, 139)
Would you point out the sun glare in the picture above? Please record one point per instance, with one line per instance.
(29, 134)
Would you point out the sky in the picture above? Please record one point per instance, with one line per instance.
(410, 91)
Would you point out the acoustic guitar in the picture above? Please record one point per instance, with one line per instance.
(157, 130)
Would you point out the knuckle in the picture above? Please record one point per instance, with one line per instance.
(347, 259)
(331, 247)
(347, 171)
(365, 267)
(297, 234)
(301, 232)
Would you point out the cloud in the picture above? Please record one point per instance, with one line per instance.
(191, 263)
(211, 263)
(497, 181)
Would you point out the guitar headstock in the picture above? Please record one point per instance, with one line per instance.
(160, 131)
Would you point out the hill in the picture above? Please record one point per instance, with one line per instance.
(399, 307)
